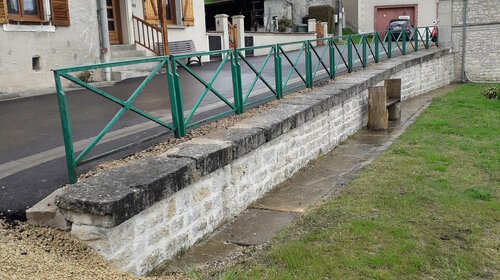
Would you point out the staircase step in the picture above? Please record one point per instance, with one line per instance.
(122, 48)
(128, 74)
(121, 55)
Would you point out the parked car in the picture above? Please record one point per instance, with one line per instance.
(397, 26)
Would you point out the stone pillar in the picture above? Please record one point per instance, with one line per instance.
(324, 25)
(446, 18)
(239, 22)
(311, 25)
(221, 26)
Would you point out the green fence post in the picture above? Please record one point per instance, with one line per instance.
(377, 50)
(278, 74)
(237, 88)
(437, 36)
(365, 55)
(66, 128)
(332, 58)
(427, 37)
(176, 119)
(403, 49)
(389, 44)
(415, 38)
(309, 78)
(181, 129)
(350, 58)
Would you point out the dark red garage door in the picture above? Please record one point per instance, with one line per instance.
(384, 14)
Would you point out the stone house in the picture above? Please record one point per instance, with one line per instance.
(367, 16)
(39, 35)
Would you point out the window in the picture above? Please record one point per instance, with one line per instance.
(170, 12)
(25, 10)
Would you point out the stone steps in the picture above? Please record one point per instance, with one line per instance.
(128, 52)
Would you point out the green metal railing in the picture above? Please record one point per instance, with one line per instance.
(365, 48)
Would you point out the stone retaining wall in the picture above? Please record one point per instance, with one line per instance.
(141, 214)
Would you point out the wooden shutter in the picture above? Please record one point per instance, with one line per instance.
(3, 12)
(151, 12)
(60, 12)
(187, 12)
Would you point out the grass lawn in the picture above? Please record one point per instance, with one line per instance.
(428, 208)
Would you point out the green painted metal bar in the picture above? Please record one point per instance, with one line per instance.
(208, 87)
(92, 88)
(66, 129)
(331, 57)
(236, 76)
(320, 62)
(389, 44)
(176, 116)
(178, 99)
(427, 37)
(341, 52)
(151, 118)
(307, 51)
(437, 37)
(403, 50)
(350, 58)
(365, 55)
(278, 74)
(144, 84)
(415, 38)
(258, 75)
(100, 135)
(293, 64)
(264, 99)
(108, 64)
(376, 57)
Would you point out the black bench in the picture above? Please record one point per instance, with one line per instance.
(183, 47)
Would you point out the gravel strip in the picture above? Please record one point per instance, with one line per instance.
(27, 252)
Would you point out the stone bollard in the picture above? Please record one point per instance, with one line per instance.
(239, 22)
(311, 25)
(221, 25)
(324, 25)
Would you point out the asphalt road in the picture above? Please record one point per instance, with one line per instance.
(31, 130)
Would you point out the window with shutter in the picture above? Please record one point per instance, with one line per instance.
(187, 12)
(22, 10)
(151, 12)
(3, 12)
(60, 12)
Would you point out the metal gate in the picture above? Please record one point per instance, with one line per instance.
(232, 35)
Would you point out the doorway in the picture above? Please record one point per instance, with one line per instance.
(114, 23)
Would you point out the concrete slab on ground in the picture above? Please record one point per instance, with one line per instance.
(254, 227)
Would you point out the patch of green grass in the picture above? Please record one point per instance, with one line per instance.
(427, 208)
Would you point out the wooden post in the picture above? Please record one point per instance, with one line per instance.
(163, 23)
(393, 88)
(377, 111)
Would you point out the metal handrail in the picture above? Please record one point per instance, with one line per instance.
(366, 47)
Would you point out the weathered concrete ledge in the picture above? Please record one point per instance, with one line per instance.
(142, 213)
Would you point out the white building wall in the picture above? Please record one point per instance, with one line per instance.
(197, 33)
(57, 47)
(366, 12)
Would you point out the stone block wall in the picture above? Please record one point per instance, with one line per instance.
(482, 54)
(256, 155)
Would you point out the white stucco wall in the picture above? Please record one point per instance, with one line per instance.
(426, 11)
(197, 33)
(292, 8)
(57, 47)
